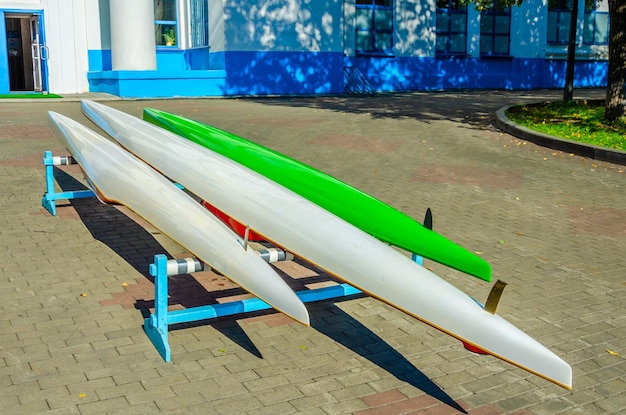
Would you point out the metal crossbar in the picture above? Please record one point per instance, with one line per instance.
(51, 196)
(156, 326)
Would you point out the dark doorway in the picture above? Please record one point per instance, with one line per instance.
(24, 52)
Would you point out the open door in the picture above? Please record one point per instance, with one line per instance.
(26, 52)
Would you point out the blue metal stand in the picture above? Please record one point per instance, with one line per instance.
(156, 326)
(50, 197)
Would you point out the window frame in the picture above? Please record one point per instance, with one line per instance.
(449, 32)
(495, 11)
(202, 22)
(592, 10)
(372, 30)
(562, 13)
(165, 23)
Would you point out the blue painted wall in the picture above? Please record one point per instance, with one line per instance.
(398, 74)
(309, 73)
(99, 60)
(158, 84)
(283, 73)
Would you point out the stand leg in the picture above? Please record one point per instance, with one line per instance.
(50, 197)
(48, 200)
(156, 325)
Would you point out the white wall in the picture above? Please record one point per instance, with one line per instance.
(97, 24)
(414, 27)
(216, 25)
(65, 34)
(529, 29)
(283, 25)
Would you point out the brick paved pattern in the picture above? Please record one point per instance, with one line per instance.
(75, 288)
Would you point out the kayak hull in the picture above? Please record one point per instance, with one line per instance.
(328, 241)
(360, 209)
(119, 177)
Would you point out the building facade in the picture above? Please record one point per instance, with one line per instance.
(165, 48)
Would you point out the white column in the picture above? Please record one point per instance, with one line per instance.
(133, 45)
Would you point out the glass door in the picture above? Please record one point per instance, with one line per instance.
(37, 49)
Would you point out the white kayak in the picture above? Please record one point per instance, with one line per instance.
(117, 176)
(329, 242)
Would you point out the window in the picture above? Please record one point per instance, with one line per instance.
(596, 23)
(495, 28)
(451, 27)
(165, 22)
(374, 26)
(199, 23)
(559, 15)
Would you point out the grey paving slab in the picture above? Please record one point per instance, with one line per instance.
(75, 287)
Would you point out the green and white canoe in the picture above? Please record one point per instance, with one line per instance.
(352, 205)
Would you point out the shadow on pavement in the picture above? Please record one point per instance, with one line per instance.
(353, 335)
(137, 247)
(474, 109)
(111, 227)
(464, 107)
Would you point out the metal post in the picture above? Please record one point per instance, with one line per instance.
(50, 197)
(156, 326)
(48, 200)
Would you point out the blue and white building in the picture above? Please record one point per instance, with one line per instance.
(165, 48)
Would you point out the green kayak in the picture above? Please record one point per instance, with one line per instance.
(352, 205)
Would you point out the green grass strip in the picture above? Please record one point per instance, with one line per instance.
(30, 96)
(581, 121)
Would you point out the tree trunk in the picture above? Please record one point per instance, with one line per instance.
(615, 104)
(568, 93)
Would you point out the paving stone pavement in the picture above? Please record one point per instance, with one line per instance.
(75, 288)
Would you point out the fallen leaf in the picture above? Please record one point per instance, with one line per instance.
(612, 353)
